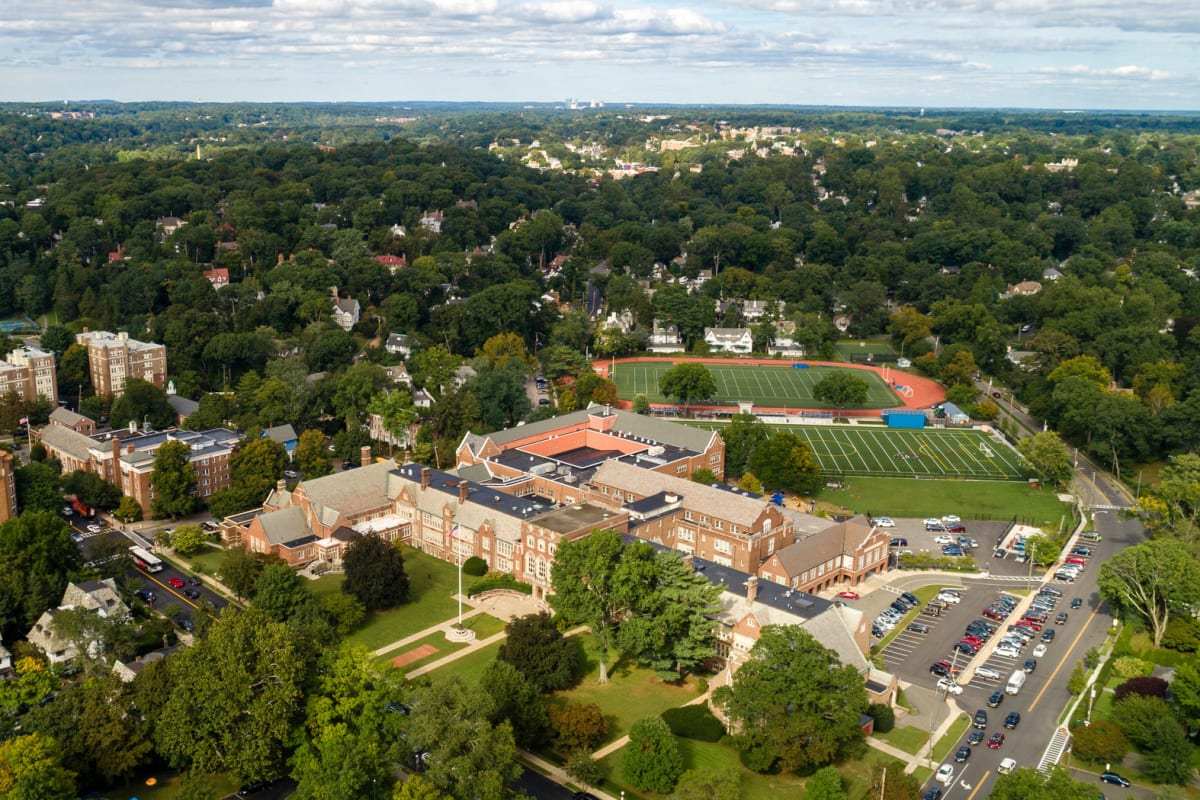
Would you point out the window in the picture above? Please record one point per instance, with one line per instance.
(715, 458)
(681, 469)
(722, 546)
(688, 516)
(685, 534)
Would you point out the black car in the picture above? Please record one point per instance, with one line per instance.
(900, 607)
(918, 627)
(191, 594)
(193, 580)
(253, 787)
(995, 699)
(1048, 635)
(976, 737)
(1076, 603)
(980, 720)
(934, 793)
(1030, 664)
(939, 669)
(1113, 778)
(910, 598)
(1012, 720)
(347, 465)
(962, 754)
(143, 594)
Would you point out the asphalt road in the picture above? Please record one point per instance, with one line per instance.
(1044, 695)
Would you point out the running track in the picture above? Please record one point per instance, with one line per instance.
(925, 392)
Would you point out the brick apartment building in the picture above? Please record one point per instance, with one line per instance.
(29, 373)
(114, 357)
(125, 458)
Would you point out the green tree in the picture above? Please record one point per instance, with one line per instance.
(841, 389)
(1100, 742)
(188, 539)
(33, 683)
(535, 646)
(375, 573)
(825, 784)
(141, 401)
(173, 481)
(1142, 719)
(514, 698)
(1078, 680)
(433, 368)
(584, 769)
(355, 389)
(641, 404)
(31, 769)
(1170, 757)
(36, 557)
(687, 381)
(92, 490)
(1150, 580)
(235, 698)
(395, 410)
(704, 475)
(417, 788)
(742, 435)
(1028, 783)
(1049, 457)
(893, 784)
(279, 592)
(794, 701)
(749, 482)
(345, 612)
(785, 461)
(312, 457)
(38, 488)
(1185, 690)
(652, 760)
(707, 784)
(240, 570)
(128, 510)
(597, 580)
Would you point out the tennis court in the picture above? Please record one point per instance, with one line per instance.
(782, 386)
(926, 453)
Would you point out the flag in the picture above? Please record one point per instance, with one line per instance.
(24, 421)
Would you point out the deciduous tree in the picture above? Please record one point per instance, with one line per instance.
(1049, 457)
(841, 389)
(652, 760)
(742, 435)
(279, 592)
(785, 461)
(240, 570)
(38, 488)
(312, 457)
(687, 381)
(578, 726)
(1100, 742)
(534, 645)
(1151, 580)
(188, 539)
(514, 698)
(1028, 783)
(375, 573)
(795, 703)
(31, 769)
(825, 784)
(173, 481)
(708, 784)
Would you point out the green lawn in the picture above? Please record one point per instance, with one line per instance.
(851, 347)
(632, 692)
(484, 626)
(775, 386)
(208, 560)
(327, 584)
(907, 738)
(943, 746)
(433, 583)
(168, 786)
(470, 667)
(906, 497)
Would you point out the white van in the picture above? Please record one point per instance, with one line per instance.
(1016, 681)
(1006, 766)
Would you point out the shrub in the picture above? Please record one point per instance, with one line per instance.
(497, 580)
(1130, 667)
(1101, 742)
(578, 726)
(1182, 634)
(475, 567)
(759, 759)
(937, 561)
(652, 760)
(1146, 687)
(694, 722)
(884, 716)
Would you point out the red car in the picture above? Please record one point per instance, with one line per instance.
(1033, 626)
(176, 582)
(848, 595)
(996, 740)
(956, 527)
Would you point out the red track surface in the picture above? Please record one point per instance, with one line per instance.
(925, 391)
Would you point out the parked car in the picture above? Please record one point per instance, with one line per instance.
(884, 522)
(1050, 590)
(932, 521)
(996, 740)
(1012, 720)
(946, 597)
(951, 518)
(253, 787)
(898, 541)
(1000, 553)
(144, 595)
(910, 598)
(952, 550)
(1076, 603)
(1039, 651)
(995, 699)
(919, 628)
(94, 528)
(848, 595)
(175, 582)
(962, 754)
(1090, 536)
(987, 672)
(934, 793)
(949, 686)
(1113, 778)
(1006, 651)
(980, 720)
(191, 594)
(955, 527)
(943, 539)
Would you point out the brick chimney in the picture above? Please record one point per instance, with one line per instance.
(462, 491)
(281, 485)
(364, 455)
(424, 477)
(751, 588)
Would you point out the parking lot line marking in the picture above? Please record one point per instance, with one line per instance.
(979, 784)
(1065, 656)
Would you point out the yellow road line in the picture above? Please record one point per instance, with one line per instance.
(171, 589)
(979, 784)
(1066, 655)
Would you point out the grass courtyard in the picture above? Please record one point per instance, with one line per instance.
(773, 386)
(905, 497)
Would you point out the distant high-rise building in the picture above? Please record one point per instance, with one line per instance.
(114, 357)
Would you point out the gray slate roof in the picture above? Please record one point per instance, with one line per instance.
(65, 416)
(68, 440)
(352, 491)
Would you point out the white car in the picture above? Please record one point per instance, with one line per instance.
(952, 599)
(884, 522)
(947, 685)
(951, 519)
(1039, 651)
(945, 774)
(1006, 652)
(1006, 766)
(987, 672)
(933, 521)
(94, 528)
(943, 539)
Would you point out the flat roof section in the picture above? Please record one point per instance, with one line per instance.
(573, 518)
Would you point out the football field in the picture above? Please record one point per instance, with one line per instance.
(780, 386)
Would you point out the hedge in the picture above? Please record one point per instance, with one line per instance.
(475, 567)
(497, 580)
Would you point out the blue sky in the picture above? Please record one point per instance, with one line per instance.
(1066, 54)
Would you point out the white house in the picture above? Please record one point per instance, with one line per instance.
(398, 345)
(782, 344)
(729, 340)
(664, 339)
(345, 312)
(755, 310)
(98, 596)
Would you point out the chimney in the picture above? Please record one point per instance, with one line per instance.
(751, 588)
(281, 485)
(462, 491)
(364, 455)
(116, 450)
(424, 477)
(130, 448)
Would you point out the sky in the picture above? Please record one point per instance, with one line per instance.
(1055, 54)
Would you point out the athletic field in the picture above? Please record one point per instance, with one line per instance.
(780, 386)
(903, 453)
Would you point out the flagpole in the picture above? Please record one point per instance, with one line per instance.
(459, 586)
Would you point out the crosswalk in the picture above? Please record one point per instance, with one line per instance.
(1108, 508)
(1054, 750)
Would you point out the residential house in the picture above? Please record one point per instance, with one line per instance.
(664, 339)
(345, 311)
(758, 310)
(98, 596)
(1023, 289)
(128, 671)
(729, 340)
(783, 343)
(844, 554)
(168, 225)
(76, 422)
(422, 399)
(218, 276)
(1051, 274)
(284, 435)
(398, 373)
(622, 321)
(398, 344)
(393, 263)
(6, 665)
(113, 358)
(398, 231)
(432, 221)
(29, 373)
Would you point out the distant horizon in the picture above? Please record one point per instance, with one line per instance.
(616, 105)
(1015, 54)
